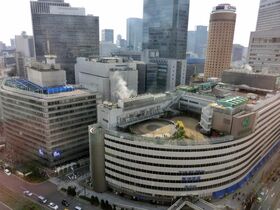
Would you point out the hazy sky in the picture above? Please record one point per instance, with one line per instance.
(15, 15)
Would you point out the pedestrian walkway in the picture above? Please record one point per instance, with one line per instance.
(252, 186)
(110, 197)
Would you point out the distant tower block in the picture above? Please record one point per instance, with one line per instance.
(220, 39)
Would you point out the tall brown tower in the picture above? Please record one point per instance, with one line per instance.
(220, 40)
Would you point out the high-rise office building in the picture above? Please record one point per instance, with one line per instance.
(197, 42)
(107, 35)
(191, 42)
(2, 46)
(147, 77)
(13, 43)
(268, 17)
(237, 52)
(25, 45)
(134, 33)
(45, 119)
(201, 36)
(120, 42)
(64, 31)
(264, 46)
(220, 40)
(25, 51)
(165, 26)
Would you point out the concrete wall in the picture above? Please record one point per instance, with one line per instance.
(97, 158)
(243, 124)
(97, 76)
(47, 78)
(222, 122)
(253, 80)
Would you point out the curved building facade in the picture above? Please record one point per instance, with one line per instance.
(165, 169)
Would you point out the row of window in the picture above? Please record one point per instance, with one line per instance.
(72, 116)
(70, 100)
(72, 111)
(18, 98)
(196, 179)
(275, 133)
(187, 187)
(68, 106)
(179, 173)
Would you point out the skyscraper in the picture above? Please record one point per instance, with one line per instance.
(24, 52)
(191, 42)
(220, 39)
(201, 35)
(197, 41)
(165, 26)
(108, 35)
(25, 45)
(64, 31)
(134, 33)
(264, 46)
(237, 52)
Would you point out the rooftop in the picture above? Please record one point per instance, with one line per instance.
(23, 84)
(167, 128)
(26, 87)
(232, 101)
(224, 8)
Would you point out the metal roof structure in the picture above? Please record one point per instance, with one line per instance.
(232, 102)
(23, 84)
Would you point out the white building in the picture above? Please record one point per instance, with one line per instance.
(111, 77)
(25, 52)
(25, 45)
(264, 46)
(160, 168)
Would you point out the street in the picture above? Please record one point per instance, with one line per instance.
(258, 184)
(4, 206)
(46, 189)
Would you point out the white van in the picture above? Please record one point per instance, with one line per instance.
(78, 208)
(42, 199)
(7, 171)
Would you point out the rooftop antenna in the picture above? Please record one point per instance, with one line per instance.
(50, 59)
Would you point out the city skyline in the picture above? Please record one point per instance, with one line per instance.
(111, 17)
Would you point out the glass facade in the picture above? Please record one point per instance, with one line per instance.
(134, 33)
(108, 35)
(76, 36)
(165, 25)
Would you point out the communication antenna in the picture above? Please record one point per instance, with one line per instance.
(48, 47)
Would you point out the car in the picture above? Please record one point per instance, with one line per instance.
(272, 195)
(262, 193)
(78, 208)
(7, 172)
(65, 203)
(28, 193)
(53, 206)
(42, 199)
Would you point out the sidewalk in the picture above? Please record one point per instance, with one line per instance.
(254, 185)
(110, 197)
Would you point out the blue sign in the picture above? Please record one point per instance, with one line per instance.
(56, 154)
